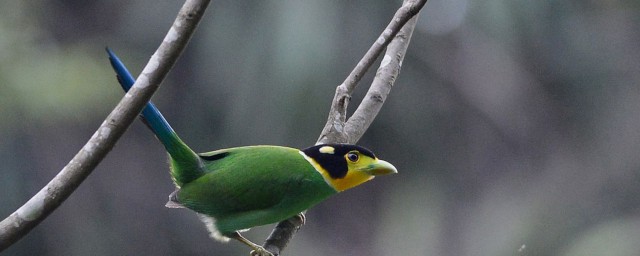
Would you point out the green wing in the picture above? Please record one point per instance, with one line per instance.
(257, 185)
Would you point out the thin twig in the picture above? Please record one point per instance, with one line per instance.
(340, 130)
(386, 76)
(34, 211)
(333, 130)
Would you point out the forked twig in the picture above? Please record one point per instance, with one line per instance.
(333, 130)
(338, 128)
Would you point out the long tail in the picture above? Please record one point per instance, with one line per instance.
(186, 165)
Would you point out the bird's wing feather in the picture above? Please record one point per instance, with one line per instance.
(244, 179)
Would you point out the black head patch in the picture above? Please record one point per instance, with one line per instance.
(331, 157)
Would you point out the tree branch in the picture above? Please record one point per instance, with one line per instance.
(333, 130)
(386, 76)
(340, 130)
(34, 211)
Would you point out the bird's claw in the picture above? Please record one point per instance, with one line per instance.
(301, 217)
(259, 251)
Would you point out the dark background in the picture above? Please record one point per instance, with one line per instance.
(514, 124)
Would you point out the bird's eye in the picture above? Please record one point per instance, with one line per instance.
(353, 157)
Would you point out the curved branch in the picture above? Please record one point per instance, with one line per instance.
(340, 130)
(74, 173)
(386, 76)
(333, 130)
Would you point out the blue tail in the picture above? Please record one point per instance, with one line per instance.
(186, 165)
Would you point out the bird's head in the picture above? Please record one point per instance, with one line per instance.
(344, 166)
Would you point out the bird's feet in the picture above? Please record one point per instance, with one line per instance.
(301, 217)
(257, 249)
(260, 251)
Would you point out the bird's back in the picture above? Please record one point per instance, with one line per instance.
(272, 183)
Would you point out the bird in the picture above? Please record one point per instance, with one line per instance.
(234, 189)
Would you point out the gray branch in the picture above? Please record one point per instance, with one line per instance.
(385, 77)
(34, 211)
(338, 128)
(334, 130)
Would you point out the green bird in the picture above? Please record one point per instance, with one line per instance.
(235, 189)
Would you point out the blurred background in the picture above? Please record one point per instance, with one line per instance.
(514, 124)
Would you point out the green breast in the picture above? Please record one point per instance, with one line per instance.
(251, 186)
